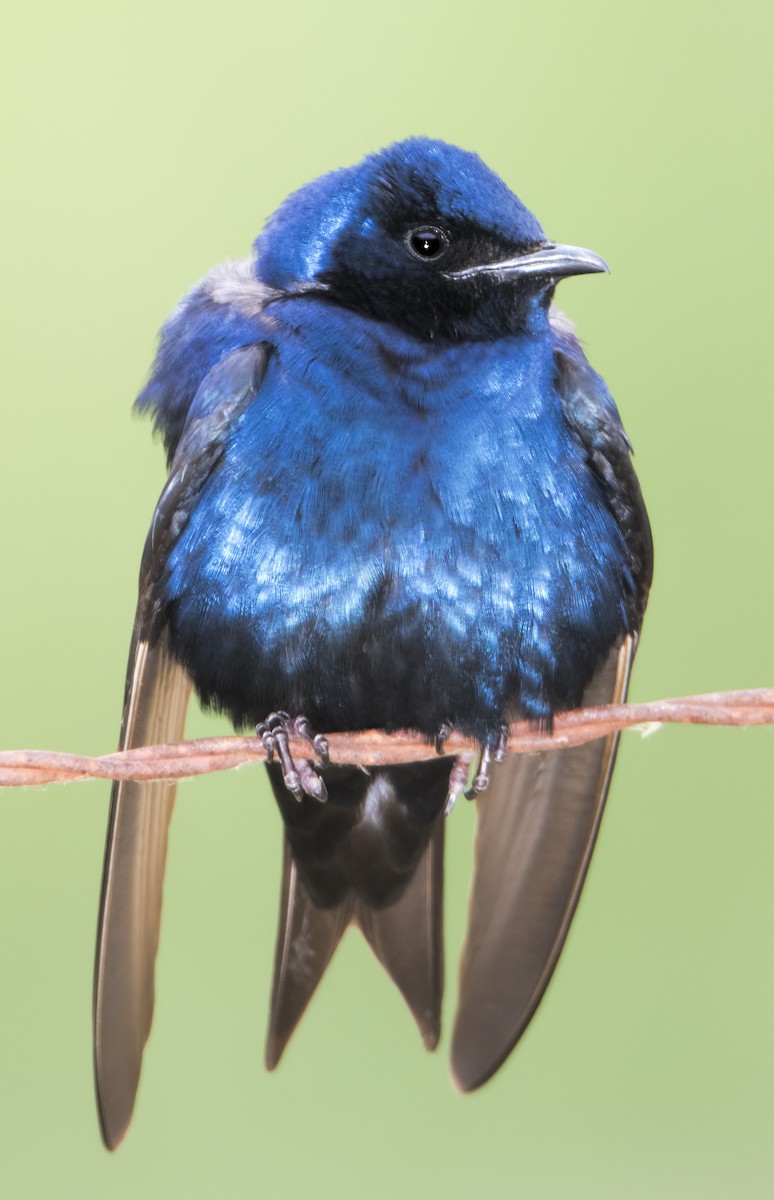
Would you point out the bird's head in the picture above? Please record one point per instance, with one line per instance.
(422, 235)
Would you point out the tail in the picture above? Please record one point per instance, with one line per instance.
(373, 856)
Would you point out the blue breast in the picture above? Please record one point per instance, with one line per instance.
(398, 534)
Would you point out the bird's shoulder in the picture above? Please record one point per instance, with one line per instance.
(588, 405)
(593, 418)
(219, 315)
(209, 367)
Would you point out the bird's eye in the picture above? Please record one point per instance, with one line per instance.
(427, 242)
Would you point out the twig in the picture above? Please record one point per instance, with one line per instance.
(19, 768)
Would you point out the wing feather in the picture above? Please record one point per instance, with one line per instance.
(537, 824)
(155, 702)
(133, 877)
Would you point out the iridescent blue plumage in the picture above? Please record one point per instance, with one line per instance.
(426, 511)
(398, 496)
(343, 216)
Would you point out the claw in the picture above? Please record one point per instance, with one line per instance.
(481, 778)
(441, 736)
(312, 783)
(265, 733)
(488, 756)
(301, 779)
(303, 727)
(290, 775)
(502, 744)
(458, 777)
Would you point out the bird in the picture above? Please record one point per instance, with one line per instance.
(399, 496)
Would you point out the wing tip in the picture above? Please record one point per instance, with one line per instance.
(271, 1057)
(113, 1129)
(429, 1027)
(276, 1044)
(469, 1070)
(111, 1142)
(498, 1000)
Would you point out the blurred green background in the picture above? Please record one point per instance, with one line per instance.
(141, 144)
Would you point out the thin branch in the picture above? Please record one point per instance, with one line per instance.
(19, 768)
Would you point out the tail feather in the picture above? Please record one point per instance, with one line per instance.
(372, 856)
(407, 938)
(306, 940)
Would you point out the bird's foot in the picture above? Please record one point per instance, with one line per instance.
(488, 756)
(303, 727)
(459, 772)
(458, 777)
(300, 778)
(441, 736)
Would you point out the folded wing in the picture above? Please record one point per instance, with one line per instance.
(130, 909)
(537, 824)
(155, 701)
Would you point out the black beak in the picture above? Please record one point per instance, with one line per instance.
(550, 260)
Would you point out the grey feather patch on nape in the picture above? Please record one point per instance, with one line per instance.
(559, 322)
(235, 283)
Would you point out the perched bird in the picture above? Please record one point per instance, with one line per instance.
(399, 496)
